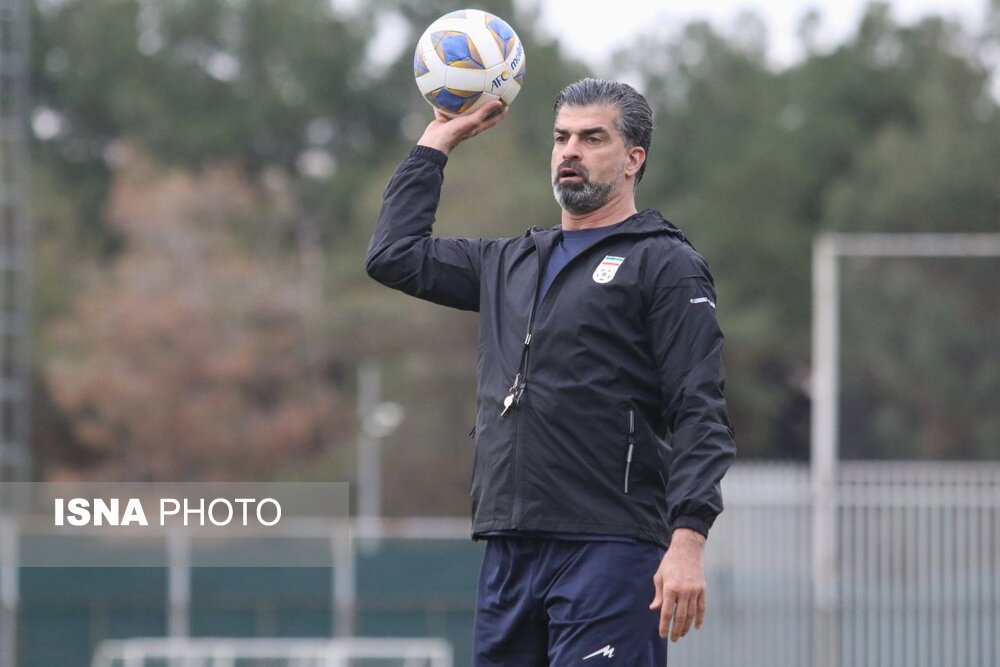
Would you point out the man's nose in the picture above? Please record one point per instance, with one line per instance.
(571, 149)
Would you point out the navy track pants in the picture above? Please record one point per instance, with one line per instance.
(558, 602)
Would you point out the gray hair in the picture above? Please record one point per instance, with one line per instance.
(635, 117)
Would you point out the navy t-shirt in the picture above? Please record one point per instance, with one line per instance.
(572, 243)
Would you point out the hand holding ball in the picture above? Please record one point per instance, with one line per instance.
(466, 59)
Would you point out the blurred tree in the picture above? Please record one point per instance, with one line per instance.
(288, 96)
(266, 84)
(921, 362)
(312, 104)
(496, 186)
(893, 130)
(187, 360)
(921, 375)
(723, 167)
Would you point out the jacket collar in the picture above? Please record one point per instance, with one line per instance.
(647, 221)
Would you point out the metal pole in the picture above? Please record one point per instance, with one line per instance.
(15, 243)
(178, 583)
(344, 585)
(827, 251)
(823, 468)
(368, 478)
(15, 297)
(9, 590)
(369, 472)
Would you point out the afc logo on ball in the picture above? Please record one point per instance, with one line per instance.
(607, 269)
(500, 79)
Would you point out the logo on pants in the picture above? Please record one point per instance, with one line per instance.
(608, 651)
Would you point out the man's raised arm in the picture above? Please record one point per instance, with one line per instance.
(402, 253)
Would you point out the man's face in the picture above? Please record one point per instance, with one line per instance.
(589, 158)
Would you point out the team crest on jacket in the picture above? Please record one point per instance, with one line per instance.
(607, 269)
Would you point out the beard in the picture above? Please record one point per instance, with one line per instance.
(585, 196)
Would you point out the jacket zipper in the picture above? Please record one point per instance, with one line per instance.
(631, 446)
(513, 397)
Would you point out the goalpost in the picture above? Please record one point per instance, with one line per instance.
(225, 652)
(828, 249)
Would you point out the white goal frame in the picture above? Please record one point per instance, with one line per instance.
(224, 652)
(825, 389)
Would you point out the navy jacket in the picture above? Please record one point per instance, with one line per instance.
(616, 423)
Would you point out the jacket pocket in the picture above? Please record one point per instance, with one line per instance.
(473, 436)
(630, 451)
(647, 456)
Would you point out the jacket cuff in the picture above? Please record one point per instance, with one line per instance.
(429, 154)
(694, 523)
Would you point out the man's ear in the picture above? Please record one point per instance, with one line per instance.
(636, 158)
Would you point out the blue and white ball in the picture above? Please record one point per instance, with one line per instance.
(466, 59)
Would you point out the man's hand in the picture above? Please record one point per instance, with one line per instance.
(680, 584)
(445, 133)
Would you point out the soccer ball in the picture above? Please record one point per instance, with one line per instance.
(466, 59)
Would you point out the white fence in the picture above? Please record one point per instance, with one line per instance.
(918, 568)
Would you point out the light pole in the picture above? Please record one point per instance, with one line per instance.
(376, 419)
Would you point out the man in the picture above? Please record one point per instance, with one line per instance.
(602, 433)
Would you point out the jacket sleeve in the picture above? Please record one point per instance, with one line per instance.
(687, 344)
(403, 255)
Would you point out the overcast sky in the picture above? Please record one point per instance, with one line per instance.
(592, 29)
